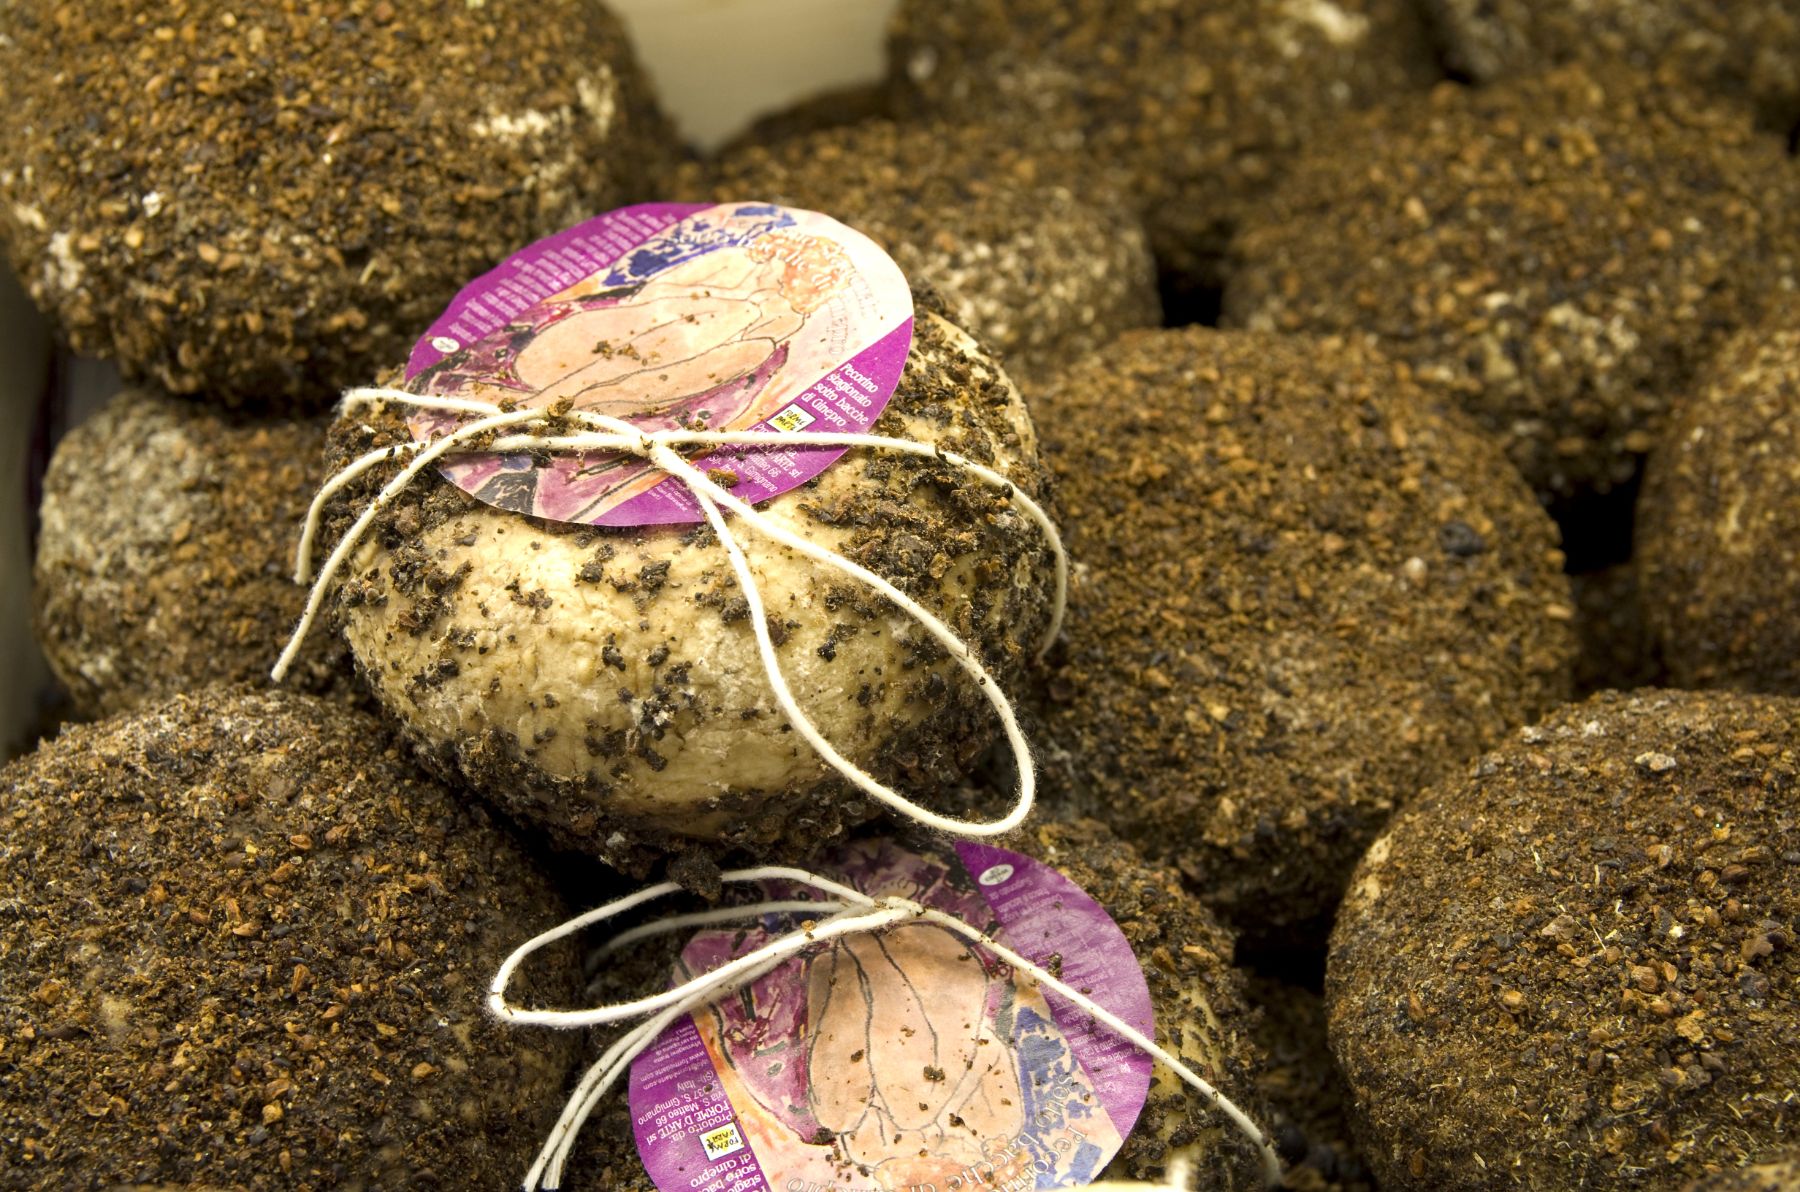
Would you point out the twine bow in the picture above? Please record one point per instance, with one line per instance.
(845, 911)
(495, 429)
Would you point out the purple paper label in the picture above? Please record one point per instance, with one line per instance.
(906, 1061)
(742, 316)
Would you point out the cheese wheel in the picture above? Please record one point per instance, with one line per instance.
(1560, 253)
(1305, 592)
(165, 555)
(1197, 996)
(1719, 519)
(1580, 950)
(262, 203)
(244, 941)
(605, 684)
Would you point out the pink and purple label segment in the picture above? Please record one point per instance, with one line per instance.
(738, 316)
(910, 1061)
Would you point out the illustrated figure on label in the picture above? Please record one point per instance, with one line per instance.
(904, 1059)
(716, 323)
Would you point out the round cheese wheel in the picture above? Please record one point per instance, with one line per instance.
(605, 684)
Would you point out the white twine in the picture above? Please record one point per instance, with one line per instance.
(846, 912)
(659, 449)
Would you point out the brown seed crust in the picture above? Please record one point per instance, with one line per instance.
(1742, 49)
(264, 201)
(1198, 106)
(1764, 1177)
(1043, 271)
(1719, 520)
(1560, 254)
(1306, 592)
(604, 683)
(837, 108)
(166, 552)
(246, 945)
(1575, 965)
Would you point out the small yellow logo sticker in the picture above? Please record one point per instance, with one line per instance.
(721, 1142)
(792, 419)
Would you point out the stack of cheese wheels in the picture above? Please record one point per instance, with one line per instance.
(1198, 108)
(605, 684)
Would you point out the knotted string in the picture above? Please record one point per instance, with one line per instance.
(483, 434)
(845, 911)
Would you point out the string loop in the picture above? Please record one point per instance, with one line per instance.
(492, 428)
(846, 912)
(843, 911)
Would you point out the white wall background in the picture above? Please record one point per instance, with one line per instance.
(721, 63)
(718, 65)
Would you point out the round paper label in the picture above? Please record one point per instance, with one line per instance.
(743, 316)
(910, 1060)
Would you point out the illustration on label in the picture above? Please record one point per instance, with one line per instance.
(740, 316)
(910, 1060)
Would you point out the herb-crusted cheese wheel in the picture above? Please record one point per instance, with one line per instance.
(1304, 592)
(1746, 49)
(1039, 270)
(165, 554)
(1578, 960)
(1719, 519)
(1197, 997)
(263, 202)
(246, 945)
(1198, 107)
(606, 683)
(1560, 252)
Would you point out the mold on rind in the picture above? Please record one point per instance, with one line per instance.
(165, 553)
